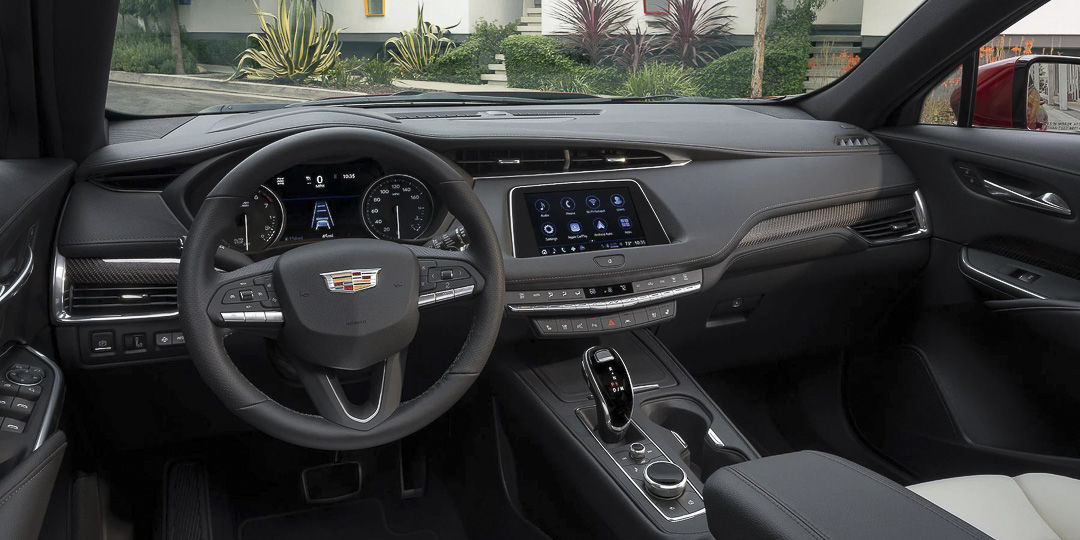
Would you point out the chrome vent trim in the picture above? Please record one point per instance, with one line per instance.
(513, 162)
(910, 224)
(96, 290)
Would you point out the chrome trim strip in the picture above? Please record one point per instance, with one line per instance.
(674, 163)
(510, 204)
(9, 290)
(646, 387)
(581, 416)
(965, 265)
(606, 305)
(60, 314)
(344, 409)
(54, 397)
(715, 439)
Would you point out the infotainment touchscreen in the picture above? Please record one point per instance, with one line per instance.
(575, 220)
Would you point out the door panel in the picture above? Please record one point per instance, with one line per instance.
(983, 378)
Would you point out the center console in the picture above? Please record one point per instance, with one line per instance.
(619, 418)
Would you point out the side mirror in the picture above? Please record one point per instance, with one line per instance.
(1046, 93)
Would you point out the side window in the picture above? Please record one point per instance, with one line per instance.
(1027, 78)
(942, 103)
(373, 8)
(655, 7)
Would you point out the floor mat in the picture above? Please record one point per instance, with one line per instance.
(359, 520)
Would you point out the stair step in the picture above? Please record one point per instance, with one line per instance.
(496, 84)
(497, 68)
(837, 38)
(493, 77)
(530, 30)
(531, 20)
(536, 11)
(500, 57)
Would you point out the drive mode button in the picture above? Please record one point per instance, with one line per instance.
(610, 261)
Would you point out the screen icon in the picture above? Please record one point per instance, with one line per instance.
(548, 229)
(575, 227)
(592, 201)
(599, 224)
(624, 222)
(617, 200)
(541, 206)
(568, 204)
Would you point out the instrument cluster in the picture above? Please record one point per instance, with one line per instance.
(316, 202)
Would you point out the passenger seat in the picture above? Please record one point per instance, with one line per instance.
(1034, 506)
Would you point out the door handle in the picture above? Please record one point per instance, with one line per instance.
(10, 288)
(1049, 202)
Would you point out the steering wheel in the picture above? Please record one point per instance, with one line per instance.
(339, 306)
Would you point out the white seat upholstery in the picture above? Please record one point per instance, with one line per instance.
(1034, 506)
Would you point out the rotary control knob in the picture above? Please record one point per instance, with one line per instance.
(665, 479)
(637, 452)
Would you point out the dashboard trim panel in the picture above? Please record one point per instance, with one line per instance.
(59, 311)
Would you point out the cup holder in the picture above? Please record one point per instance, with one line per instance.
(691, 422)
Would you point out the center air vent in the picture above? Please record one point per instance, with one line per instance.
(86, 301)
(523, 161)
(855, 141)
(152, 180)
(889, 228)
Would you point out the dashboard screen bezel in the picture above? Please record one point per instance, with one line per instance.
(523, 238)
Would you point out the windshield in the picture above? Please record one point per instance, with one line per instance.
(183, 57)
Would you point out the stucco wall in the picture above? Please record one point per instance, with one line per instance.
(845, 12)
(881, 17)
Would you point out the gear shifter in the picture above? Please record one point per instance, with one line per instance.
(609, 381)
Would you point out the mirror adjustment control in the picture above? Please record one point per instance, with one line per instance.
(665, 479)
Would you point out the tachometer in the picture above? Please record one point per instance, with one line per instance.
(260, 222)
(397, 207)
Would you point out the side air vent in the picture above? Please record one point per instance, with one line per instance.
(93, 301)
(891, 228)
(524, 161)
(855, 141)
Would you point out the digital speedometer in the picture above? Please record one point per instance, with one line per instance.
(397, 207)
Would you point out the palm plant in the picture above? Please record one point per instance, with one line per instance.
(292, 45)
(693, 29)
(632, 48)
(415, 48)
(590, 23)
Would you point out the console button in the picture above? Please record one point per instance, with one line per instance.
(134, 342)
(101, 342)
(546, 326)
(627, 318)
(30, 392)
(12, 425)
(8, 388)
(5, 403)
(665, 479)
(667, 310)
(178, 338)
(691, 501)
(610, 261)
(635, 470)
(594, 323)
(640, 316)
(24, 377)
(580, 325)
(164, 339)
(670, 508)
(653, 312)
(611, 322)
(564, 326)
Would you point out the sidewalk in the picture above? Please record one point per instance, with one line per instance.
(436, 86)
(192, 82)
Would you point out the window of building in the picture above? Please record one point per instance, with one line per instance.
(374, 8)
(656, 6)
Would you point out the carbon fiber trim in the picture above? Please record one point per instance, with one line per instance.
(825, 218)
(123, 271)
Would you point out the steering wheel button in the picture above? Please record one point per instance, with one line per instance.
(254, 316)
(464, 291)
(231, 297)
(426, 299)
(232, 316)
(274, 317)
(443, 295)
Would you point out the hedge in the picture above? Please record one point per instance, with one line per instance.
(535, 61)
(729, 75)
(148, 53)
(457, 66)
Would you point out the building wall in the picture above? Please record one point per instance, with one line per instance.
(841, 12)
(499, 11)
(881, 17)
(742, 12)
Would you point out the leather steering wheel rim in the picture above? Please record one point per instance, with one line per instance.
(198, 280)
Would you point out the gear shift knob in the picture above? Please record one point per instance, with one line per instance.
(609, 381)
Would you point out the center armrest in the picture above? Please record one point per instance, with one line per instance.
(816, 495)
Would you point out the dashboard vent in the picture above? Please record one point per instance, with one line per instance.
(95, 301)
(855, 141)
(524, 161)
(888, 228)
(152, 180)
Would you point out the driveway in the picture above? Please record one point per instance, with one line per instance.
(142, 99)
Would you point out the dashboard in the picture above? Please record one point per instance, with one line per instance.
(318, 202)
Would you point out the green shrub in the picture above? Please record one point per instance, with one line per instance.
(376, 71)
(223, 52)
(145, 52)
(535, 61)
(457, 66)
(655, 78)
(729, 75)
(488, 37)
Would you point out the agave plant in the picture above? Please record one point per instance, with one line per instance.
(632, 48)
(693, 29)
(292, 46)
(590, 24)
(415, 48)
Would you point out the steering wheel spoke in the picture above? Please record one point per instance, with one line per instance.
(446, 276)
(246, 298)
(324, 387)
